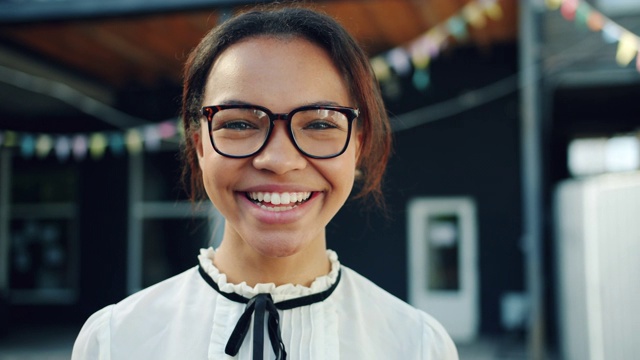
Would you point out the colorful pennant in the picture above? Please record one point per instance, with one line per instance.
(94, 144)
(414, 58)
(586, 16)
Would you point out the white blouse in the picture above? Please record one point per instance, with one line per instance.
(184, 318)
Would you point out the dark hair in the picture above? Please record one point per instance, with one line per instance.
(321, 30)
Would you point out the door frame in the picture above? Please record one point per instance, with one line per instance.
(457, 310)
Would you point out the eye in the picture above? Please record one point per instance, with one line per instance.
(320, 125)
(239, 120)
(320, 120)
(236, 125)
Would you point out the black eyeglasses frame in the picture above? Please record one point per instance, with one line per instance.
(209, 111)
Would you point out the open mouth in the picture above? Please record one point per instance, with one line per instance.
(273, 201)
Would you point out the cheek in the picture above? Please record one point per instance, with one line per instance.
(216, 182)
(208, 179)
(213, 173)
(221, 175)
(341, 172)
(356, 143)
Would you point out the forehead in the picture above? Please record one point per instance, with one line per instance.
(275, 71)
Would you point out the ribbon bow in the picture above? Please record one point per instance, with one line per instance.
(257, 307)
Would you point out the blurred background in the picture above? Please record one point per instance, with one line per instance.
(513, 192)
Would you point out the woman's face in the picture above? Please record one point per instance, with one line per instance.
(281, 75)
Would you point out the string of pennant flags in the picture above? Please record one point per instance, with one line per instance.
(411, 59)
(586, 16)
(94, 145)
(414, 57)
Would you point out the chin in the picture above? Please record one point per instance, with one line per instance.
(278, 248)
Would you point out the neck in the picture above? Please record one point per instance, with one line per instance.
(241, 263)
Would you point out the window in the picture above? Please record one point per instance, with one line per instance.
(39, 230)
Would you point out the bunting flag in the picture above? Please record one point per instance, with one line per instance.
(95, 144)
(413, 59)
(585, 16)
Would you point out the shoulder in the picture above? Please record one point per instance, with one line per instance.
(436, 342)
(363, 292)
(177, 301)
(390, 322)
(93, 341)
(160, 296)
(145, 314)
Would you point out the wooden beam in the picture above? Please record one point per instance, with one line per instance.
(28, 11)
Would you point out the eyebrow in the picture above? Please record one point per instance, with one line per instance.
(315, 103)
(235, 102)
(323, 103)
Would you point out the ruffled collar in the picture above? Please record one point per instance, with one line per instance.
(278, 293)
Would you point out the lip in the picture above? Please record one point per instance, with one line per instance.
(273, 217)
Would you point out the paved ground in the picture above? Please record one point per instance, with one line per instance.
(55, 343)
(502, 348)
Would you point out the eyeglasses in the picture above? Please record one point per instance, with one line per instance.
(240, 131)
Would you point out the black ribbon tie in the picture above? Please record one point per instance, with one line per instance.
(257, 308)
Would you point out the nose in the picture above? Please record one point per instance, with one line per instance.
(279, 155)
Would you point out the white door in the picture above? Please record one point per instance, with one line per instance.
(443, 272)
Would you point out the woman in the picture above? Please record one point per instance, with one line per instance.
(280, 108)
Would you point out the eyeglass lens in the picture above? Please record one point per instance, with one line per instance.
(243, 131)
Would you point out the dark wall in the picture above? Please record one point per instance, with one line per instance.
(99, 188)
(103, 232)
(475, 153)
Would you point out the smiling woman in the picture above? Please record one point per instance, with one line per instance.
(280, 108)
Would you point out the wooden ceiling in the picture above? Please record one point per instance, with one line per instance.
(151, 48)
(146, 51)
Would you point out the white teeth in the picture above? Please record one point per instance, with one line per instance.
(277, 208)
(279, 199)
